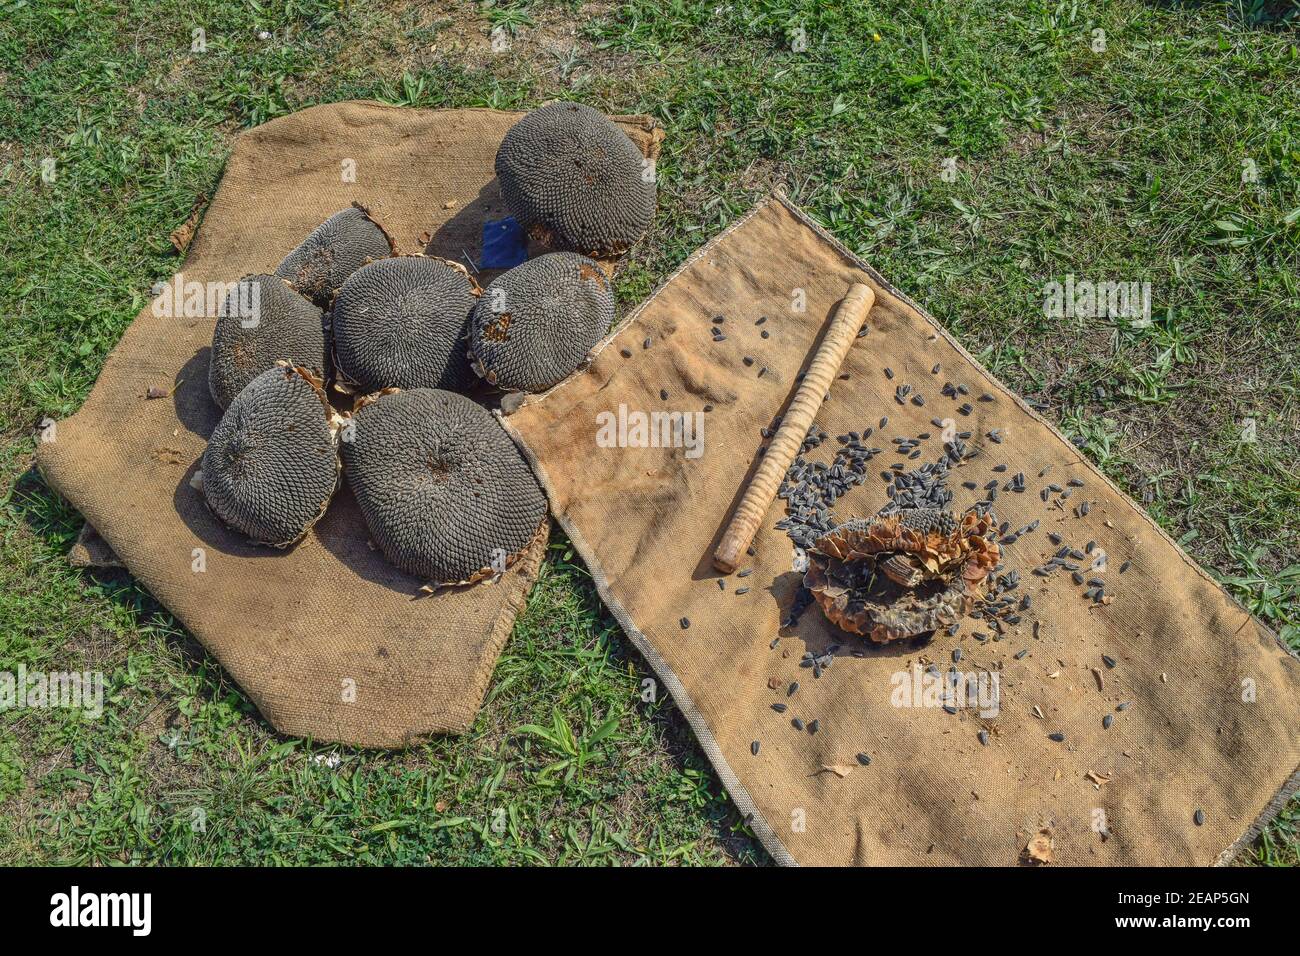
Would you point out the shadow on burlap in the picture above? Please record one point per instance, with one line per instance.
(1212, 714)
(327, 639)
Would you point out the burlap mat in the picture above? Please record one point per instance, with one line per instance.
(328, 640)
(646, 521)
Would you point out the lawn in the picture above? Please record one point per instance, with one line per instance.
(972, 151)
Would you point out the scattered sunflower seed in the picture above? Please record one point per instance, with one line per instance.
(753, 748)
(1058, 737)
(864, 760)
(685, 623)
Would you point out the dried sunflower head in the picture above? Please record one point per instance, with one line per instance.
(897, 576)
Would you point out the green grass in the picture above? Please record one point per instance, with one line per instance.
(1121, 164)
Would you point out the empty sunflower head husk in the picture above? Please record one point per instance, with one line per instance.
(902, 575)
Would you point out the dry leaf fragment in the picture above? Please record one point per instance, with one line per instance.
(1098, 778)
(1096, 672)
(1039, 848)
(1038, 713)
(773, 683)
(155, 392)
(1054, 674)
(184, 233)
(840, 770)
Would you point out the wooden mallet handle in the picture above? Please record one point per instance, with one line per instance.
(783, 447)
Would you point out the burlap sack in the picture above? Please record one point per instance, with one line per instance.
(1213, 714)
(327, 639)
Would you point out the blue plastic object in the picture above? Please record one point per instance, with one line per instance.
(504, 244)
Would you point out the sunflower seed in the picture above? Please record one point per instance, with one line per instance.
(1198, 817)
(1020, 654)
(685, 623)
(1108, 660)
(745, 573)
(864, 760)
(626, 353)
(1058, 737)
(1107, 721)
(983, 736)
(741, 591)
(794, 686)
(889, 372)
(646, 343)
(814, 726)
(796, 723)
(753, 748)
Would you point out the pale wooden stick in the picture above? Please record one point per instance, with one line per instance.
(781, 451)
